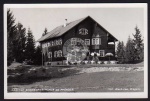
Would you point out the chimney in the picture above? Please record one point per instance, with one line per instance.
(65, 24)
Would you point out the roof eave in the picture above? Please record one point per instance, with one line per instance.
(104, 28)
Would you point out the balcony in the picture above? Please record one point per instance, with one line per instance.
(111, 46)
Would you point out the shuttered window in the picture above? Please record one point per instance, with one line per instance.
(102, 53)
(59, 53)
(55, 54)
(50, 55)
(87, 41)
(96, 41)
(73, 41)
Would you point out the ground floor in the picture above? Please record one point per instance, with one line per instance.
(76, 50)
(78, 57)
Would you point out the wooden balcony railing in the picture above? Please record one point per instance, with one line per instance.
(110, 46)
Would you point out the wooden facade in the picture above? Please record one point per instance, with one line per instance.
(94, 35)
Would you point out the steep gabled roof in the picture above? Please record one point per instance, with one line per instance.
(60, 30)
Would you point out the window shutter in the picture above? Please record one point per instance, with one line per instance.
(97, 41)
(100, 41)
(93, 41)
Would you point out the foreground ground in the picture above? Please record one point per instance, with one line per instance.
(87, 80)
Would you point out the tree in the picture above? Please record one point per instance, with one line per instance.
(138, 43)
(30, 46)
(120, 52)
(19, 44)
(45, 32)
(11, 36)
(38, 56)
(142, 52)
(130, 51)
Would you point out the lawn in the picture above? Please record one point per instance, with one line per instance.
(73, 81)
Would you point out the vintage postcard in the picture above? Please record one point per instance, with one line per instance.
(69, 51)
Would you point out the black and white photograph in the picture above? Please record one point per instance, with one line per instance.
(75, 51)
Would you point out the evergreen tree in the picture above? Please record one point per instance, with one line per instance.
(138, 43)
(38, 56)
(130, 51)
(142, 52)
(120, 52)
(45, 32)
(30, 46)
(11, 36)
(19, 44)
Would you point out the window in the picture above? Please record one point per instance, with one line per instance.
(57, 42)
(102, 53)
(93, 41)
(52, 43)
(59, 53)
(55, 54)
(87, 41)
(50, 55)
(96, 41)
(73, 41)
(60, 41)
(83, 31)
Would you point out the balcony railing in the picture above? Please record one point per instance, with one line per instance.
(111, 46)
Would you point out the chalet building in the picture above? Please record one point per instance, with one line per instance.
(96, 38)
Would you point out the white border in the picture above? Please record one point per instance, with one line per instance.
(106, 95)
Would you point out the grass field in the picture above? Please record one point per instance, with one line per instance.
(71, 81)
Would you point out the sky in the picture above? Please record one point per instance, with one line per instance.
(120, 22)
